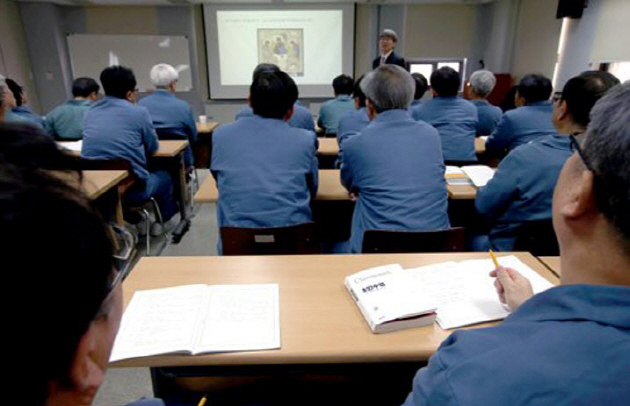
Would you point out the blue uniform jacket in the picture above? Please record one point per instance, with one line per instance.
(331, 112)
(174, 115)
(522, 188)
(115, 128)
(301, 118)
(266, 172)
(66, 121)
(569, 345)
(352, 123)
(521, 125)
(456, 121)
(28, 114)
(488, 115)
(395, 164)
(11, 116)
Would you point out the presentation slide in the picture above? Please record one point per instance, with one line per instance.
(313, 45)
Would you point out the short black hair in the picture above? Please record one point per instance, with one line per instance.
(357, 92)
(59, 254)
(422, 85)
(535, 87)
(343, 84)
(83, 87)
(117, 81)
(445, 81)
(607, 78)
(264, 67)
(581, 93)
(16, 90)
(272, 94)
(607, 148)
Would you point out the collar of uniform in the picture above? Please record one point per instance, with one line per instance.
(163, 92)
(79, 102)
(392, 115)
(480, 102)
(21, 109)
(115, 101)
(265, 120)
(604, 304)
(558, 141)
(343, 97)
(540, 103)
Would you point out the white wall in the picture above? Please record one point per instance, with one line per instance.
(612, 30)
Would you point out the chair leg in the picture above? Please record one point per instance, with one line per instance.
(147, 220)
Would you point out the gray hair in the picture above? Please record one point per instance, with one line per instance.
(607, 149)
(389, 87)
(388, 32)
(163, 75)
(482, 82)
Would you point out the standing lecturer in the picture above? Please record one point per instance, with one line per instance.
(386, 44)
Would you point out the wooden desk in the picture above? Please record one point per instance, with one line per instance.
(330, 188)
(166, 149)
(96, 183)
(328, 146)
(320, 323)
(553, 263)
(207, 127)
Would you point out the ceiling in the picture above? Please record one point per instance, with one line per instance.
(183, 2)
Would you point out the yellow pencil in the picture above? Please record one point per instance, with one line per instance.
(203, 401)
(494, 259)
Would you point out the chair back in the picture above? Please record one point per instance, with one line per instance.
(396, 241)
(296, 239)
(167, 134)
(537, 237)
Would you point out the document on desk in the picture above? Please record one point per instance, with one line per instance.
(480, 175)
(71, 145)
(196, 319)
(464, 291)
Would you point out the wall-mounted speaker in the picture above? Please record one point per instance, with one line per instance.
(571, 8)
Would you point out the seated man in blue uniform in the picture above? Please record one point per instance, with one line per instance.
(116, 128)
(422, 85)
(266, 170)
(569, 345)
(394, 166)
(18, 111)
(453, 117)
(75, 295)
(530, 120)
(65, 122)
(479, 87)
(170, 115)
(301, 117)
(355, 120)
(522, 187)
(331, 111)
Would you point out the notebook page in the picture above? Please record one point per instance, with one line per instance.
(240, 318)
(480, 175)
(159, 321)
(465, 292)
(71, 145)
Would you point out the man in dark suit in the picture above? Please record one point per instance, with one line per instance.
(386, 43)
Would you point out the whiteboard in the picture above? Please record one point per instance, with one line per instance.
(91, 53)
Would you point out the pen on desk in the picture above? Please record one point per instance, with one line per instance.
(203, 400)
(494, 259)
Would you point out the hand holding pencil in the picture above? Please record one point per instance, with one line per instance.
(513, 289)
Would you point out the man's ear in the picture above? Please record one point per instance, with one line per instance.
(563, 112)
(131, 96)
(288, 114)
(581, 199)
(86, 373)
(370, 109)
(434, 93)
(249, 100)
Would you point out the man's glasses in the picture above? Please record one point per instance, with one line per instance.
(575, 146)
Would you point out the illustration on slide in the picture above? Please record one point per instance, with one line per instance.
(282, 47)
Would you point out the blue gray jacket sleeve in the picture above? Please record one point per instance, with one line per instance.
(493, 199)
(191, 126)
(431, 386)
(347, 177)
(149, 136)
(499, 140)
(314, 174)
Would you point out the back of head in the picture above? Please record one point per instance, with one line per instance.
(389, 87)
(16, 90)
(534, 87)
(357, 93)
(343, 84)
(163, 75)
(482, 82)
(117, 81)
(581, 93)
(607, 148)
(264, 67)
(67, 276)
(607, 78)
(445, 82)
(272, 94)
(422, 85)
(83, 87)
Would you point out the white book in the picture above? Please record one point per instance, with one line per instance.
(195, 319)
(71, 145)
(387, 301)
(480, 175)
(465, 292)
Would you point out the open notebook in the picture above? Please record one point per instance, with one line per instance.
(196, 319)
(478, 175)
(462, 292)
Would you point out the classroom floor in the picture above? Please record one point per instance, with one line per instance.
(124, 385)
